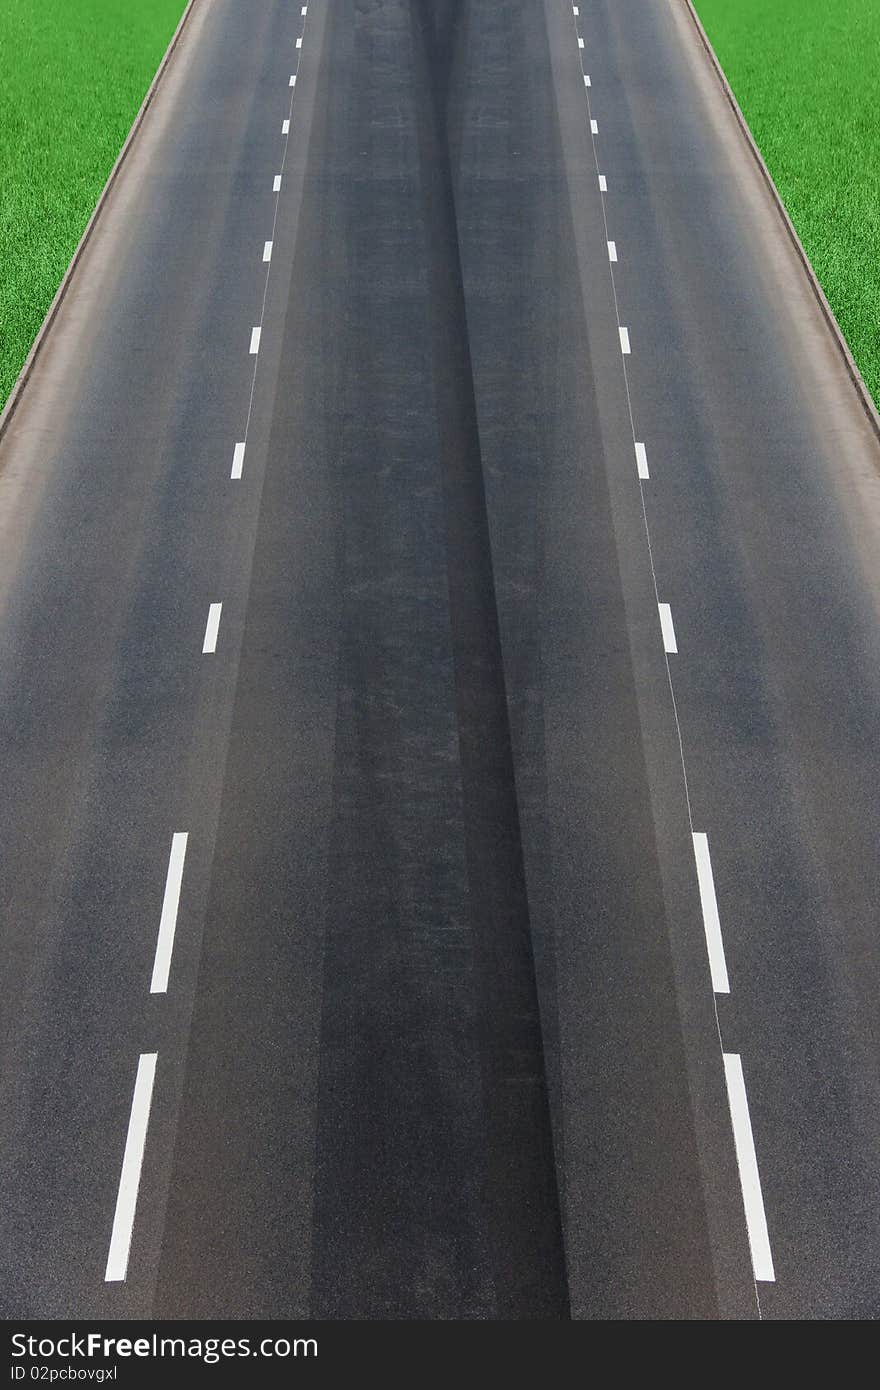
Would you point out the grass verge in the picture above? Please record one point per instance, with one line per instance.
(73, 74)
(806, 74)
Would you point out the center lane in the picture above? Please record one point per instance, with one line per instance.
(335, 1092)
(422, 1200)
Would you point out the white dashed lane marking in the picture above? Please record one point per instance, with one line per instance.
(130, 1177)
(212, 627)
(711, 921)
(132, 1160)
(756, 1221)
(747, 1162)
(669, 642)
(168, 919)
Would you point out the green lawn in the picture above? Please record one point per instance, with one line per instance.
(806, 74)
(72, 76)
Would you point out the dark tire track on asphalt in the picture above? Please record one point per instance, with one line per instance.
(522, 1198)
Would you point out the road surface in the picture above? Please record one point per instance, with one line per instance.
(439, 700)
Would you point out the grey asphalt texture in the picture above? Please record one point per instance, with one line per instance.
(440, 1039)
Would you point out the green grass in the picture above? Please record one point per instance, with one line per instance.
(72, 76)
(806, 74)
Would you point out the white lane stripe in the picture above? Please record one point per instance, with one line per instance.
(603, 184)
(285, 127)
(255, 341)
(299, 42)
(642, 461)
(668, 630)
(580, 42)
(237, 460)
(575, 10)
(267, 251)
(587, 82)
(168, 920)
(612, 250)
(276, 184)
(594, 127)
(130, 1177)
(304, 10)
(212, 627)
(711, 920)
(292, 82)
(624, 340)
(747, 1161)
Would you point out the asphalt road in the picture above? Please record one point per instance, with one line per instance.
(440, 1036)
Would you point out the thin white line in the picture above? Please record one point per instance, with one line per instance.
(642, 461)
(624, 339)
(278, 177)
(612, 250)
(711, 921)
(648, 542)
(237, 460)
(212, 627)
(669, 643)
(603, 184)
(651, 561)
(587, 82)
(594, 127)
(580, 42)
(130, 1177)
(267, 251)
(285, 127)
(168, 920)
(747, 1161)
(255, 341)
(276, 184)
